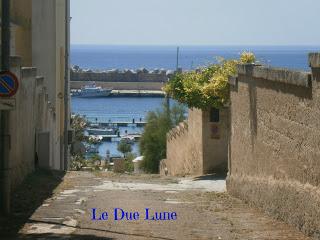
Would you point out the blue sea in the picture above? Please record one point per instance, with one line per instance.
(157, 57)
(190, 57)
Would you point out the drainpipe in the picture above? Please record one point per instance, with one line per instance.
(66, 85)
(4, 137)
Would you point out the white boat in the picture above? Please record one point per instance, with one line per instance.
(128, 139)
(92, 91)
(95, 139)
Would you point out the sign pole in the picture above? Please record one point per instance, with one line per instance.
(4, 114)
(66, 87)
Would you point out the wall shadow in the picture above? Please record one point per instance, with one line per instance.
(29, 195)
(62, 236)
(213, 176)
(82, 236)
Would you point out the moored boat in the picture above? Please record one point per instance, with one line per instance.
(92, 91)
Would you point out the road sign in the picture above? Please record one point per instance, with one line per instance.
(9, 84)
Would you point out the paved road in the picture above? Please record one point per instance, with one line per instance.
(203, 211)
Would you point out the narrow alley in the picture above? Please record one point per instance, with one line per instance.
(204, 210)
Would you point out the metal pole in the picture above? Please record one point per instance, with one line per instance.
(4, 137)
(66, 86)
(5, 35)
(177, 66)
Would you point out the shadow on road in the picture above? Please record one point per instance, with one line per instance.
(80, 236)
(36, 188)
(62, 236)
(214, 176)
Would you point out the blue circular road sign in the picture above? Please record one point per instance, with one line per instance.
(9, 84)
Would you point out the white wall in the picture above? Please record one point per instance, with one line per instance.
(48, 54)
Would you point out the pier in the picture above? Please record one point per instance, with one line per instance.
(110, 138)
(137, 93)
(122, 124)
(103, 122)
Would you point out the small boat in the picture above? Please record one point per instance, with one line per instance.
(128, 139)
(92, 91)
(95, 139)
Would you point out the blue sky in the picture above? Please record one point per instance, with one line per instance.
(195, 22)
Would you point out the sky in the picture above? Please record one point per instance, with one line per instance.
(195, 22)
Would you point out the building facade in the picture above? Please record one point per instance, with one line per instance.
(40, 42)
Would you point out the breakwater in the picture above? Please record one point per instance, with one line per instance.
(116, 75)
(134, 86)
(120, 80)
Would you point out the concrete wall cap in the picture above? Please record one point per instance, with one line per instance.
(39, 80)
(28, 72)
(178, 130)
(314, 60)
(282, 75)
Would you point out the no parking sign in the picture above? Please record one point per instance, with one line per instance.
(9, 85)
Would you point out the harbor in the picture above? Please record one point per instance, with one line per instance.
(127, 115)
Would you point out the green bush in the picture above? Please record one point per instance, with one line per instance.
(77, 162)
(207, 87)
(128, 164)
(124, 148)
(78, 124)
(153, 140)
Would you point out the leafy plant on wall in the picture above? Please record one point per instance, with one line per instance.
(206, 87)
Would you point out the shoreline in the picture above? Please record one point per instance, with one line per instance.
(137, 93)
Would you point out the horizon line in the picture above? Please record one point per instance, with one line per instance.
(195, 45)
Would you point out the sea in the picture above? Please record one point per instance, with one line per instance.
(99, 57)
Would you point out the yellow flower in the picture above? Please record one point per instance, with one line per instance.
(247, 58)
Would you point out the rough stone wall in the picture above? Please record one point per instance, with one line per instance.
(275, 143)
(183, 153)
(191, 148)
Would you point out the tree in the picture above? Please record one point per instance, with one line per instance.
(78, 124)
(124, 148)
(154, 138)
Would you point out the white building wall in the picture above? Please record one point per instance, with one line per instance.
(48, 49)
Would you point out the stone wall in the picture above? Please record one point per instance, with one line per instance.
(141, 75)
(197, 146)
(274, 158)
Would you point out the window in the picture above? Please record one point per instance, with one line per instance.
(214, 115)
